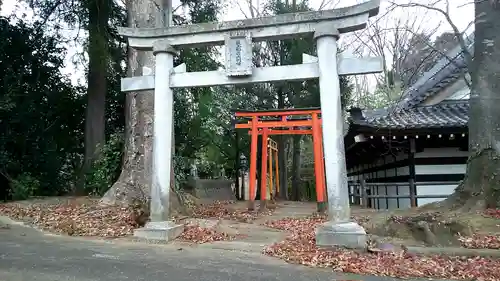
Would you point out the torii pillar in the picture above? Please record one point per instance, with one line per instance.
(340, 229)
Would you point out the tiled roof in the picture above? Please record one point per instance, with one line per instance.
(442, 115)
(441, 75)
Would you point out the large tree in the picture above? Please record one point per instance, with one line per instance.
(134, 181)
(98, 14)
(481, 187)
(102, 64)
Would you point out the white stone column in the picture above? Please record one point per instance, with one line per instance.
(339, 230)
(162, 131)
(160, 227)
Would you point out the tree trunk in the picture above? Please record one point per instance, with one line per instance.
(481, 187)
(135, 179)
(95, 121)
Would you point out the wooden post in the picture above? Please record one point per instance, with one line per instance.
(364, 195)
(276, 163)
(411, 162)
(413, 199)
(270, 164)
(357, 193)
(243, 187)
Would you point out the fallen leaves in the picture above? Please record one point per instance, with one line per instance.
(223, 210)
(90, 219)
(85, 219)
(300, 247)
(481, 241)
(200, 235)
(492, 213)
(294, 224)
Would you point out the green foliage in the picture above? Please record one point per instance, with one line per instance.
(39, 108)
(23, 187)
(106, 170)
(104, 49)
(196, 130)
(181, 171)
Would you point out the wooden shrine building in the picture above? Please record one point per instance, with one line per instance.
(415, 151)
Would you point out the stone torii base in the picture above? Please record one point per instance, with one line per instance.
(159, 231)
(348, 234)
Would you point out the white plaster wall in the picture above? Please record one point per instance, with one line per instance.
(463, 94)
(438, 170)
(393, 202)
(442, 152)
(433, 190)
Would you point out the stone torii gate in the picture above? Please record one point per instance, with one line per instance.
(238, 36)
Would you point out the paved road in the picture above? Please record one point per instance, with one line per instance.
(27, 254)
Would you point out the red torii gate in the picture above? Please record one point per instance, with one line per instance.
(284, 123)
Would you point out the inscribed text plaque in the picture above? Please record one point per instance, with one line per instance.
(238, 54)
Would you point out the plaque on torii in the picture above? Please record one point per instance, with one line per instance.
(238, 36)
(238, 54)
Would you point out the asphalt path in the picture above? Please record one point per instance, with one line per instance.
(27, 254)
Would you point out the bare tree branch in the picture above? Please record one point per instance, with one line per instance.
(473, 2)
(450, 59)
(458, 33)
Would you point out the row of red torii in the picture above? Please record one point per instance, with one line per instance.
(258, 123)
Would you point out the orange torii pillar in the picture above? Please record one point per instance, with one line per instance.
(319, 163)
(253, 162)
(263, 171)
